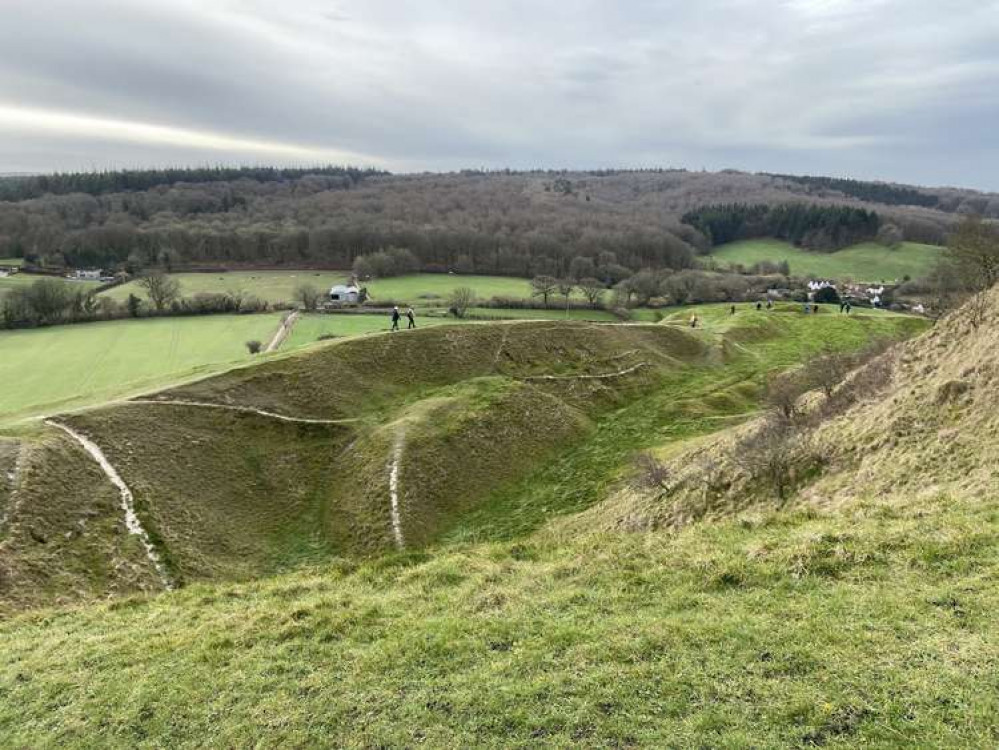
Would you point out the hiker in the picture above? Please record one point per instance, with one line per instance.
(848, 308)
(693, 320)
(769, 304)
(395, 318)
(759, 305)
(815, 309)
(732, 311)
(412, 317)
(804, 308)
(842, 306)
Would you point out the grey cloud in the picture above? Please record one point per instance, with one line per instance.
(892, 89)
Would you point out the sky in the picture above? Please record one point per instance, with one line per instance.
(904, 90)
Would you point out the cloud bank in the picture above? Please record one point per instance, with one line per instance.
(890, 89)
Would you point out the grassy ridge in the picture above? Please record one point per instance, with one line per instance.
(864, 262)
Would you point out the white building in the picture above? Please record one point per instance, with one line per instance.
(345, 295)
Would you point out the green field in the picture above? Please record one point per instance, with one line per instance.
(11, 261)
(865, 262)
(48, 369)
(278, 286)
(19, 280)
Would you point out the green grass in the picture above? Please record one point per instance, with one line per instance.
(869, 627)
(864, 262)
(20, 280)
(309, 328)
(11, 262)
(421, 289)
(489, 313)
(49, 369)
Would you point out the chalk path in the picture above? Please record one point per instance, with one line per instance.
(132, 522)
(242, 409)
(394, 465)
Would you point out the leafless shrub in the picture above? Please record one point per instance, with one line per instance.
(783, 391)
(650, 472)
(254, 347)
(769, 453)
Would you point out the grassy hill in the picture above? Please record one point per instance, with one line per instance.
(864, 262)
(513, 609)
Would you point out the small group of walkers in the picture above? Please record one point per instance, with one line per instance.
(397, 316)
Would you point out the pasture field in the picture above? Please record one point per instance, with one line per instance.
(421, 289)
(867, 261)
(11, 261)
(63, 367)
(8, 283)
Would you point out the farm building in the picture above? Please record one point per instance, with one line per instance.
(345, 295)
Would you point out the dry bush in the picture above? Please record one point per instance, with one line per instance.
(650, 472)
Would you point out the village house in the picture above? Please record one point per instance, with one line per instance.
(342, 294)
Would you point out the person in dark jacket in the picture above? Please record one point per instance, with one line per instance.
(395, 318)
(412, 317)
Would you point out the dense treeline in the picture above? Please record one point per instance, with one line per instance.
(503, 222)
(872, 192)
(116, 181)
(825, 228)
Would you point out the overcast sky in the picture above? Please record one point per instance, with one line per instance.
(891, 89)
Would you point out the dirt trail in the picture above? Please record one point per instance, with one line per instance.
(244, 410)
(282, 332)
(132, 522)
(601, 376)
(400, 439)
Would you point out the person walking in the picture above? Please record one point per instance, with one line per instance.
(732, 311)
(759, 305)
(693, 320)
(411, 316)
(395, 318)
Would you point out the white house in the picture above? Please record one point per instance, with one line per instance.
(86, 275)
(345, 295)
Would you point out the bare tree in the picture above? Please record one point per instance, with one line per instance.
(782, 393)
(592, 289)
(461, 299)
(974, 249)
(566, 288)
(308, 295)
(768, 454)
(160, 288)
(544, 287)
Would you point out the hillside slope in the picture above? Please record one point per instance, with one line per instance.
(388, 442)
(920, 423)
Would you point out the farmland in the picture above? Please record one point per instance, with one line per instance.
(864, 262)
(278, 287)
(65, 367)
(18, 280)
